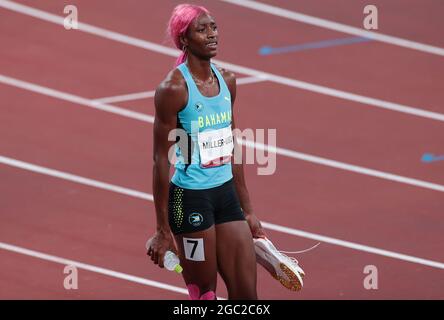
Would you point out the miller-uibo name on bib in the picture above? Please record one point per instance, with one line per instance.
(215, 147)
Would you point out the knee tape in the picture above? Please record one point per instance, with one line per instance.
(194, 292)
(209, 295)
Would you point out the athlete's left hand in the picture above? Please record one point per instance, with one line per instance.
(255, 226)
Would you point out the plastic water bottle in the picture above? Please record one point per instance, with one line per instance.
(172, 262)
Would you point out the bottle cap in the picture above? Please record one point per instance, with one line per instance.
(178, 268)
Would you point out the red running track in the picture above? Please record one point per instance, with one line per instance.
(106, 229)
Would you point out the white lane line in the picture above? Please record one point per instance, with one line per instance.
(328, 24)
(74, 99)
(127, 97)
(150, 94)
(92, 268)
(336, 93)
(74, 178)
(280, 151)
(146, 196)
(248, 80)
(104, 33)
(344, 166)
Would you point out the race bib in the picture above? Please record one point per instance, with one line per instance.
(215, 146)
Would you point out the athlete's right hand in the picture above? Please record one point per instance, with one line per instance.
(157, 245)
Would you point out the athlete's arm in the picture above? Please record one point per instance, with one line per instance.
(170, 97)
(238, 168)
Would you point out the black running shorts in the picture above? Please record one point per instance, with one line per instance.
(196, 210)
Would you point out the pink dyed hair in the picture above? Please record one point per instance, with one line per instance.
(181, 18)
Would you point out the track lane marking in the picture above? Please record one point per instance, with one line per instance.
(332, 25)
(150, 94)
(92, 268)
(146, 196)
(151, 46)
(251, 144)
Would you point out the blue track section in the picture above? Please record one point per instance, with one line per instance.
(312, 45)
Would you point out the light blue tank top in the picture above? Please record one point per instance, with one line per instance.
(202, 116)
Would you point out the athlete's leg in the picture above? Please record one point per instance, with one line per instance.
(191, 220)
(236, 259)
(197, 253)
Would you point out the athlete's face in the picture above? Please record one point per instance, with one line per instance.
(202, 37)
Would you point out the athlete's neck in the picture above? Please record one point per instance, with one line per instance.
(199, 68)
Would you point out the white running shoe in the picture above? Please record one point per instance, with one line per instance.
(283, 268)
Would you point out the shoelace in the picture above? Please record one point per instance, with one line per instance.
(293, 252)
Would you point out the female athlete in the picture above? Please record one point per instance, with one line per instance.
(206, 205)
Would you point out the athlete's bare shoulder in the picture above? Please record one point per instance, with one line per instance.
(230, 80)
(171, 92)
(229, 76)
